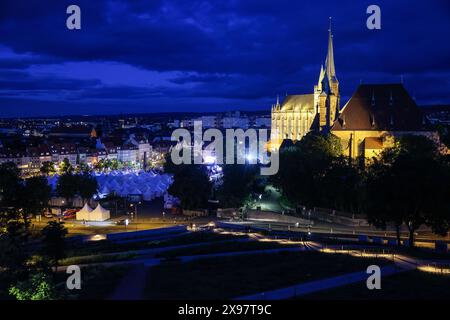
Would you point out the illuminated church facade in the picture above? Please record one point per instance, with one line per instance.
(299, 114)
(369, 122)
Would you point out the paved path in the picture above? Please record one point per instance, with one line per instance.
(151, 238)
(319, 285)
(132, 285)
(401, 264)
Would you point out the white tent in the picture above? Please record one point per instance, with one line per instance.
(99, 214)
(84, 213)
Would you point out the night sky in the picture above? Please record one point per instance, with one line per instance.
(189, 55)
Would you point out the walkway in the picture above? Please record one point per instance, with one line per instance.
(132, 285)
(319, 285)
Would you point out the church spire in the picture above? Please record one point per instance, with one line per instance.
(330, 69)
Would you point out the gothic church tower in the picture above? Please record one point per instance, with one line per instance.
(299, 114)
(326, 92)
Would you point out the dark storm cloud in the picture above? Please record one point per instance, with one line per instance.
(23, 81)
(236, 49)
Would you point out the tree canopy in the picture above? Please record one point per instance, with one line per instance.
(238, 182)
(410, 184)
(191, 184)
(53, 239)
(311, 169)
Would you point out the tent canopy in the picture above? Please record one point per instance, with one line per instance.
(84, 213)
(99, 214)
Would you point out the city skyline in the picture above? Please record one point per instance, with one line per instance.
(201, 154)
(169, 56)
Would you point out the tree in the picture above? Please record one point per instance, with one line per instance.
(67, 187)
(10, 189)
(65, 167)
(100, 165)
(237, 184)
(382, 206)
(343, 186)
(12, 247)
(115, 164)
(303, 166)
(87, 186)
(10, 183)
(191, 184)
(38, 287)
(35, 195)
(444, 134)
(48, 168)
(14, 256)
(410, 185)
(83, 168)
(53, 239)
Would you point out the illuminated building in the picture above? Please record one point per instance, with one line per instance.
(374, 116)
(299, 114)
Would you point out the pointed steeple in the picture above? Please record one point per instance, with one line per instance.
(322, 73)
(329, 64)
(321, 78)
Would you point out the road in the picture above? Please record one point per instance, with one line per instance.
(143, 223)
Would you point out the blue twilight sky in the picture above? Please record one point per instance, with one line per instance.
(200, 55)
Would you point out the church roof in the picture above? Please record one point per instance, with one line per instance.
(298, 102)
(382, 107)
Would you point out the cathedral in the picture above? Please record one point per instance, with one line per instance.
(299, 114)
(372, 120)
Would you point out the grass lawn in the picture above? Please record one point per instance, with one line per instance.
(230, 277)
(97, 283)
(97, 258)
(105, 246)
(223, 247)
(409, 285)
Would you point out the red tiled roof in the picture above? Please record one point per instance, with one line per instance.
(380, 107)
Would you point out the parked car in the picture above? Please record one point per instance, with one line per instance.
(48, 214)
(122, 222)
(70, 214)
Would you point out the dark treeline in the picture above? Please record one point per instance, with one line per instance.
(408, 184)
(26, 274)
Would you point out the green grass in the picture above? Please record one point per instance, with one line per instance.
(97, 283)
(97, 258)
(405, 286)
(230, 277)
(223, 247)
(105, 246)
